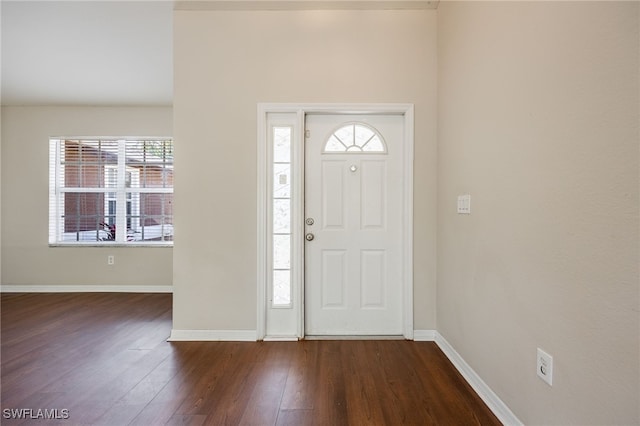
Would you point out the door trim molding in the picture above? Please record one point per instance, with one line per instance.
(262, 267)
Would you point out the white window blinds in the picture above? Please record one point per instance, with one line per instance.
(113, 191)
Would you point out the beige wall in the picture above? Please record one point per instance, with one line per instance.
(26, 257)
(228, 61)
(538, 121)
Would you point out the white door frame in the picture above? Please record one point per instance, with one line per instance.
(299, 111)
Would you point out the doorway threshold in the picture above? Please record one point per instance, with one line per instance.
(354, 337)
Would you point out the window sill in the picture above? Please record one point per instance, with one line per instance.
(110, 245)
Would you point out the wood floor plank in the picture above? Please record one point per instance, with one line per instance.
(227, 402)
(187, 420)
(105, 358)
(331, 398)
(401, 399)
(180, 372)
(300, 389)
(270, 379)
(365, 401)
(460, 401)
(288, 417)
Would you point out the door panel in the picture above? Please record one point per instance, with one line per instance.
(333, 202)
(373, 278)
(373, 192)
(353, 191)
(334, 279)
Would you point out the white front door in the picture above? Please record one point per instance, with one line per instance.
(353, 219)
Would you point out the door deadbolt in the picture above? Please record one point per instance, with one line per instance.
(309, 221)
(309, 237)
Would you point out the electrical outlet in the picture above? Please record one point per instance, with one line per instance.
(111, 260)
(544, 366)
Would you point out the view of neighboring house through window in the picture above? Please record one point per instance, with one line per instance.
(113, 191)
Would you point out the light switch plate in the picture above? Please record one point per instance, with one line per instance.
(464, 204)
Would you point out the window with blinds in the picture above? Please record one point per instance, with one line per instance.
(111, 191)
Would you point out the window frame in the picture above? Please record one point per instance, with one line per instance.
(125, 195)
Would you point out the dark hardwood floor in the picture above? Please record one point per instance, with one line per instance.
(103, 359)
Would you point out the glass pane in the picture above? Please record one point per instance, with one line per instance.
(151, 176)
(282, 144)
(150, 217)
(282, 216)
(83, 176)
(281, 251)
(334, 145)
(345, 135)
(281, 180)
(111, 177)
(363, 134)
(84, 162)
(374, 145)
(149, 151)
(161, 230)
(150, 163)
(281, 287)
(84, 218)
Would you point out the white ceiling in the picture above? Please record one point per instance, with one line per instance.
(111, 52)
(86, 52)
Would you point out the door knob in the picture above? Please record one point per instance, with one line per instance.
(309, 237)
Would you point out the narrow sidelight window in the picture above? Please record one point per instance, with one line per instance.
(281, 215)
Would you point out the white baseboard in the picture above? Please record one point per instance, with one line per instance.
(213, 335)
(424, 335)
(86, 289)
(281, 339)
(495, 404)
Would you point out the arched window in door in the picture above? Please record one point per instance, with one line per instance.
(355, 138)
